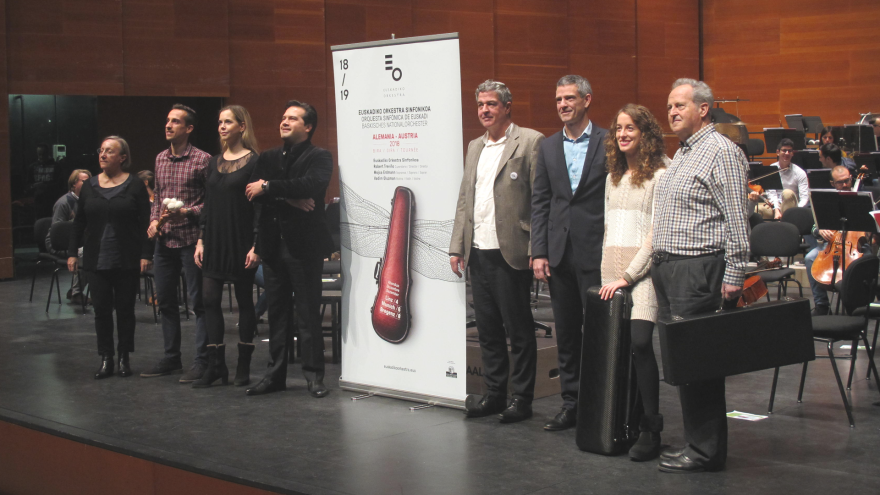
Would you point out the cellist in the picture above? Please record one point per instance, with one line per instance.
(842, 180)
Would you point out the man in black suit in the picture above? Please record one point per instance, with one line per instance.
(293, 241)
(568, 209)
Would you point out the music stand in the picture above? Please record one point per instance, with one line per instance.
(846, 211)
(869, 160)
(859, 138)
(819, 178)
(813, 124)
(795, 121)
(807, 159)
(772, 136)
(768, 177)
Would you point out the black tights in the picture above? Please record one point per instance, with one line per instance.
(647, 375)
(212, 297)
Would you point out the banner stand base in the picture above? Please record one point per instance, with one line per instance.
(401, 394)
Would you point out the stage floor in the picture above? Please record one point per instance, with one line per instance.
(298, 444)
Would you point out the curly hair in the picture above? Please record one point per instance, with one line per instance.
(652, 148)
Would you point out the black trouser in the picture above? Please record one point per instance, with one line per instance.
(568, 296)
(647, 374)
(502, 300)
(114, 289)
(285, 274)
(212, 298)
(686, 287)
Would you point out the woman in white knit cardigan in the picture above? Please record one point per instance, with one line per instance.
(635, 156)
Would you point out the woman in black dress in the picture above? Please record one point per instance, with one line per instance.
(113, 213)
(225, 249)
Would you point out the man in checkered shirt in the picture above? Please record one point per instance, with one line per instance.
(181, 172)
(701, 248)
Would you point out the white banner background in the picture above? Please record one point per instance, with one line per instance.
(381, 122)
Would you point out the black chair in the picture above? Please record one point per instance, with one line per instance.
(802, 218)
(59, 238)
(856, 292)
(755, 147)
(41, 230)
(150, 288)
(331, 295)
(755, 219)
(333, 223)
(777, 239)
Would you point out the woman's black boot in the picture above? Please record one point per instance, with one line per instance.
(106, 367)
(243, 370)
(124, 368)
(216, 368)
(647, 447)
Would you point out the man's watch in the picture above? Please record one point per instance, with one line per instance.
(265, 186)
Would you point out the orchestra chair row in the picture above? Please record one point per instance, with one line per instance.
(856, 293)
(59, 237)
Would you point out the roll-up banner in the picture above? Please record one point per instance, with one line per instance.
(398, 121)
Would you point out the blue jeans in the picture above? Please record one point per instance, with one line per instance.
(262, 302)
(167, 264)
(820, 295)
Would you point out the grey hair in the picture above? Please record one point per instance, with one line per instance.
(124, 149)
(582, 84)
(498, 87)
(702, 91)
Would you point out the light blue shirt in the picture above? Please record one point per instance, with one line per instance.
(576, 154)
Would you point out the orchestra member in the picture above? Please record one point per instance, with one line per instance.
(64, 210)
(635, 154)
(841, 179)
(701, 246)
(796, 189)
(112, 215)
(293, 242)
(225, 249)
(567, 228)
(826, 136)
(180, 173)
(491, 236)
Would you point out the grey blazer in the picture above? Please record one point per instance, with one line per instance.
(513, 194)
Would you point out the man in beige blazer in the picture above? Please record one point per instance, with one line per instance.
(491, 236)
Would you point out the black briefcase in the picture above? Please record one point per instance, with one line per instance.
(730, 342)
(607, 417)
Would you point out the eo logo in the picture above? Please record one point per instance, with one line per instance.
(396, 73)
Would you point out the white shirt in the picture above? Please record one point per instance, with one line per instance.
(485, 236)
(794, 179)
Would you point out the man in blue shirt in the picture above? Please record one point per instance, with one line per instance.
(568, 210)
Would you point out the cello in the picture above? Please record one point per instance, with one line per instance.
(838, 253)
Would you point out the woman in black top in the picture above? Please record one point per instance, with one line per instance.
(113, 213)
(225, 249)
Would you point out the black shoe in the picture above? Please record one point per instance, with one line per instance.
(124, 368)
(681, 465)
(196, 371)
(69, 293)
(518, 410)
(563, 421)
(164, 367)
(106, 367)
(317, 389)
(266, 386)
(820, 310)
(488, 405)
(243, 369)
(79, 298)
(672, 453)
(216, 370)
(647, 447)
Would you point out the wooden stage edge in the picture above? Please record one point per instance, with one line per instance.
(36, 459)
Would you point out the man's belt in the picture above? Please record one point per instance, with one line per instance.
(662, 256)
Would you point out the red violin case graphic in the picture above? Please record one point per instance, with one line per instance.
(409, 244)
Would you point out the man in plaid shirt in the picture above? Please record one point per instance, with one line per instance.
(181, 172)
(701, 247)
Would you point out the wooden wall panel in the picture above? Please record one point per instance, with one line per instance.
(65, 47)
(6, 261)
(797, 56)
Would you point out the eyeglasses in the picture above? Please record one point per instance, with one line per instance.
(841, 182)
(786, 152)
(109, 151)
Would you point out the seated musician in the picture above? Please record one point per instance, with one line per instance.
(830, 156)
(796, 190)
(827, 137)
(842, 180)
